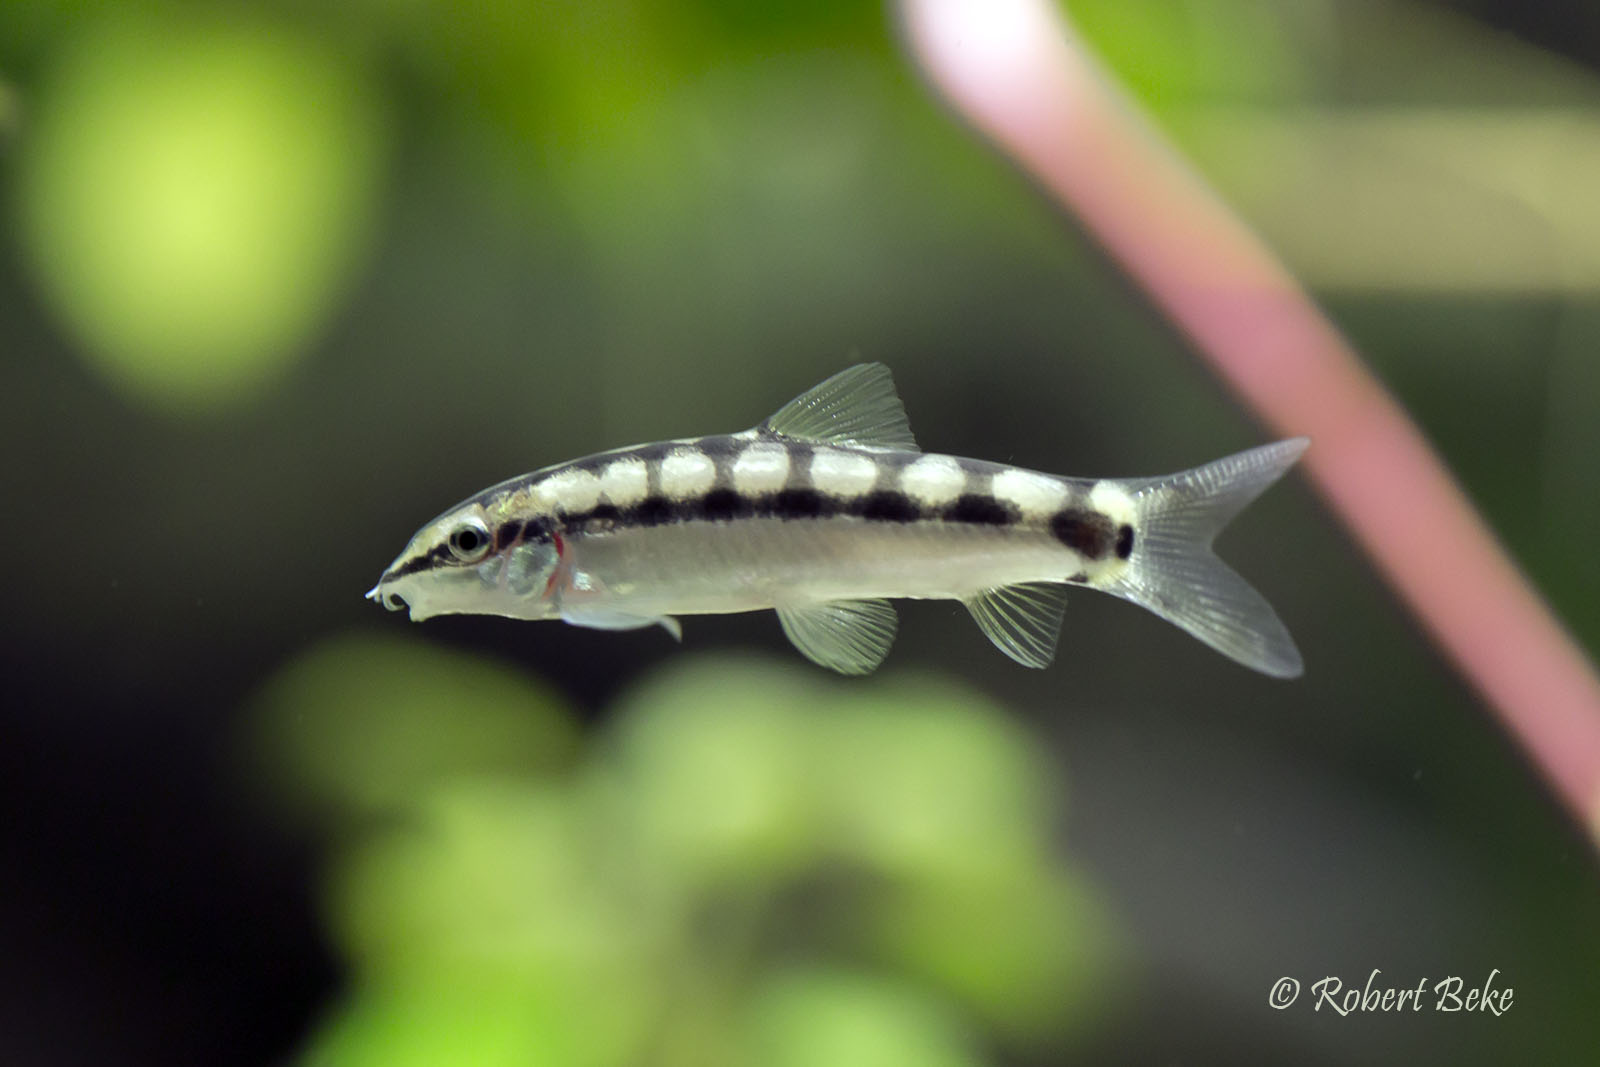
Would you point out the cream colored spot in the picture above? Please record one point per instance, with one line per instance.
(624, 482)
(1034, 493)
(761, 469)
(1113, 501)
(523, 500)
(569, 490)
(933, 480)
(686, 473)
(842, 473)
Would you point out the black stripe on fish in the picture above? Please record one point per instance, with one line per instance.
(721, 505)
(796, 503)
(420, 563)
(1088, 533)
(724, 504)
(603, 514)
(1124, 541)
(535, 529)
(982, 509)
(651, 511)
(884, 505)
(507, 535)
(540, 529)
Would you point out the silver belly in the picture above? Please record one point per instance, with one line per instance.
(751, 564)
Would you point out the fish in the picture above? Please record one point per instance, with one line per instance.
(827, 511)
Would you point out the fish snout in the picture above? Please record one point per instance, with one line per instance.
(390, 601)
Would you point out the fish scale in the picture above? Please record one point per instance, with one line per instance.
(824, 513)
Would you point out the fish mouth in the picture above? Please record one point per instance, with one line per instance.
(390, 601)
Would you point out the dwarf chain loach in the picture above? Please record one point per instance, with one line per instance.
(827, 511)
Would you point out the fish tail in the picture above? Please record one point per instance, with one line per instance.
(1173, 572)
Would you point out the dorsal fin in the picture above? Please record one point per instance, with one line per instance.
(1023, 620)
(857, 406)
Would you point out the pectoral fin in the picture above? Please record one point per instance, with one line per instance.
(602, 618)
(1024, 621)
(848, 636)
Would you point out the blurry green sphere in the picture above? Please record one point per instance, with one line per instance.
(712, 761)
(824, 1017)
(193, 194)
(364, 726)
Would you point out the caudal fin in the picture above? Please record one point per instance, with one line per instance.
(1174, 573)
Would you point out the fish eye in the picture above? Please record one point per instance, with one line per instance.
(394, 602)
(469, 542)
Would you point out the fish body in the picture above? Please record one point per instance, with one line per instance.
(827, 511)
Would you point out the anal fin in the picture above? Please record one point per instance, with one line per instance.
(1024, 620)
(848, 636)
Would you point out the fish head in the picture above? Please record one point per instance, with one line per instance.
(469, 561)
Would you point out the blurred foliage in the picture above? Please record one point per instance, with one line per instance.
(195, 193)
(439, 715)
(1174, 54)
(751, 864)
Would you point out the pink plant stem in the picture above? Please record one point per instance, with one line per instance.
(1017, 71)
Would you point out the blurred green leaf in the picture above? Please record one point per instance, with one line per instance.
(820, 1017)
(463, 1017)
(1026, 952)
(930, 779)
(1172, 54)
(363, 726)
(712, 760)
(736, 813)
(195, 191)
(494, 888)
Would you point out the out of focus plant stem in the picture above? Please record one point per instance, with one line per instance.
(1017, 70)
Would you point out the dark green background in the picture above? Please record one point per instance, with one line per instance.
(598, 224)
